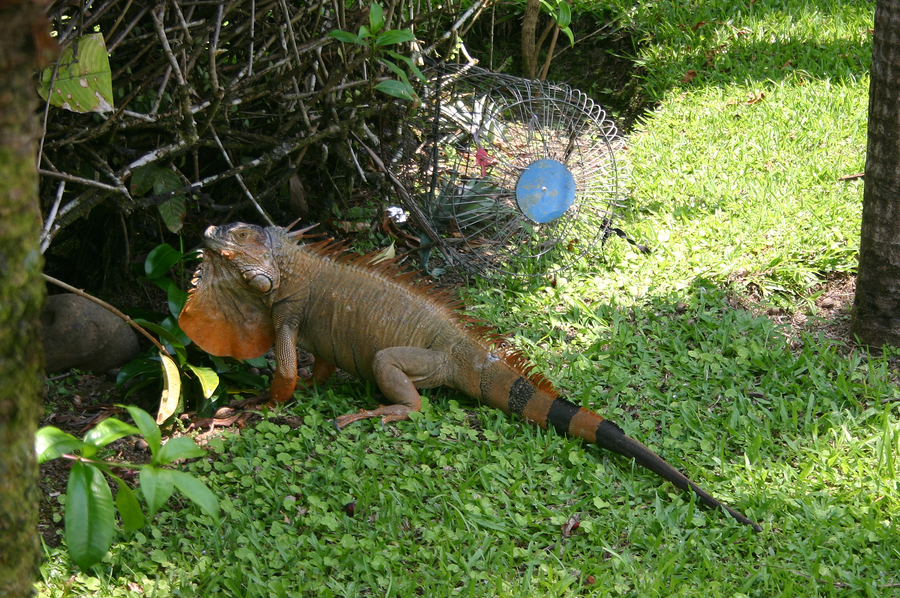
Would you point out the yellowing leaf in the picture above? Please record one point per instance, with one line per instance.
(83, 78)
(171, 393)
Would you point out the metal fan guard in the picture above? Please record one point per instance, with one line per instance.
(476, 138)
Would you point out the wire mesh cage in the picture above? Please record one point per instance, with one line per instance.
(508, 174)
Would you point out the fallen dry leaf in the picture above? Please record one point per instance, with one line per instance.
(756, 97)
(688, 76)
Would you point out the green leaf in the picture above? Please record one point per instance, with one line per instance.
(135, 368)
(177, 299)
(173, 211)
(158, 261)
(142, 384)
(157, 485)
(397, 89)
(198, 493)
(170, 324)
(347, 37)
(50, 442)
(129, 508)
(394, 36)
(83, 77)
(219, 363)
(90, 517)
(147, 427)
(246, 379)
(395, 69)
(376, 17)
(171, 393)
(209, 380)
(179, 448)
(165, 334)
(154, 176)
(564, 17)
(409, 62)
(570, 35)
(109, 430)
(257, 362)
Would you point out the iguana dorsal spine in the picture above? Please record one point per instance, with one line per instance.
(257, 287)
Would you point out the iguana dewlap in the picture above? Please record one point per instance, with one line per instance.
(257, 287)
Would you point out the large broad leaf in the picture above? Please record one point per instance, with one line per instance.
(168, 334)
(147, 426)
(179, 448)
(83, 78)
(171, 394)
(51, 442)
(154, 176)
(132, 369)
(129, 507)
(173, 212)
(177, 298)
(162, 180)
(157, 485)
(564, 17)
(209, 380)
(347, 37)
(158, 261)
(197, 492)
(109, 430)
(397, 89)
(409, 63)
(376, 17)
(90, 515)
(394, 36)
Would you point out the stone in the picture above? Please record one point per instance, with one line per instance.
(78, 333)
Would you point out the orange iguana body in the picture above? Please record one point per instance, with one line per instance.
(257, 287)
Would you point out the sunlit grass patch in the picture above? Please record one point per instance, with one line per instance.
(749, 180)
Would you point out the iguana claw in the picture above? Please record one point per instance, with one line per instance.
(387, 413)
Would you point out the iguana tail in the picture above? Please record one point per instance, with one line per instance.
(611, 437)
(534, 398)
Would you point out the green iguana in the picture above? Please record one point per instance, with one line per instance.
(257, 287)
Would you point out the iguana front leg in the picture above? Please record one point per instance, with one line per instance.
(284, 380)
(399, 372)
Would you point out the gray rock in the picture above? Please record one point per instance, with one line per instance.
(78, 333)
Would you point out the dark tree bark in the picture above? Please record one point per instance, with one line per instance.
(22, 34)
(530, 49)
(876, 307)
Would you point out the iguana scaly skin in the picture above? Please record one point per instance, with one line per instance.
(257, 287)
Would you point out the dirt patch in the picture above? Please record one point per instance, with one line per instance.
(832, 309)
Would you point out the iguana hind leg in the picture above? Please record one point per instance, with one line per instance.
(399, 372)
(321, 371)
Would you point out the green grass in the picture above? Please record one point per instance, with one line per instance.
(720, 185)
(797, 431)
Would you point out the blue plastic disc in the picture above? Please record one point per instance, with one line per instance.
(545, 190)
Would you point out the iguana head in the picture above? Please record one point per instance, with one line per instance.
(227, 312)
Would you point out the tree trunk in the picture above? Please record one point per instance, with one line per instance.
(21, 295)
(876, 306)
(529, 32)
